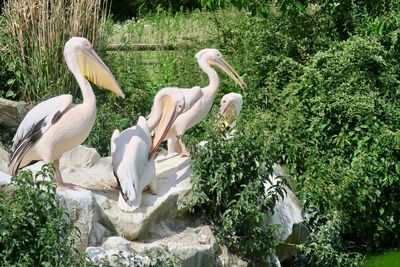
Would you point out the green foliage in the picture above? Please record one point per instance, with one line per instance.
(34, 228)
(126, 9)
(229, 191)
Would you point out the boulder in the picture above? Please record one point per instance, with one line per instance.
(4, 157)
(117, 251)
(227, 259)
(80, 204)
(173, 184)
(5, 179)
(288, 213)
(195, 246)
(115, 257)
(11, 112)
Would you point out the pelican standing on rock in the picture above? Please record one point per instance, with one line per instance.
(133, 151)
(57, 125)
(231, 105)
(205, 58)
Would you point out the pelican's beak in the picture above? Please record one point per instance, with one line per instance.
(169, 115)
(221, 112)
(97, 72)
(220, 62)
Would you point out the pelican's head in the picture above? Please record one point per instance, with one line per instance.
(79, 52)
(172, 103)
(214, 57)
(230, 103)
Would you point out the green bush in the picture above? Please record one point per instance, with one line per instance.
(228, 189)
(34, 228)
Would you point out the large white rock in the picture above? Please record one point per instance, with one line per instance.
(5, 179)
(80, 204)
(84, 167)
(173, 184)
(195, 246)
(115, 257)
(3, 160)
(288, 214)
(117, 250)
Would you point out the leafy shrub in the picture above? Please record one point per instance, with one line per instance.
(228, 189)
(338, 127)
(34, 228)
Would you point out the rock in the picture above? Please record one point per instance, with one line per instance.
(117, 242)
(11, 112)
(226, 259)
(80, 204)
(195, 246)
(116, 257)
(288, 213)
(84, 166)
(117, 250)
(5, 179)
(4, 157)
(173, 184)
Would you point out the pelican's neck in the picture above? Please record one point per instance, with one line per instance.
(87, 91)
(212, 88)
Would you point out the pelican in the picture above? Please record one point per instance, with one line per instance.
(206, 58)
(57, 125)
(133, 149)
(231, 105)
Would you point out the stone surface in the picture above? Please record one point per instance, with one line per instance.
(117, 242)
(173, 174)
(288, 213)
(4, 157)
(116, 257)
(11, 112)
(80, 204)
(226, 259)
(195, 246)
(5, 179)
(173, 183)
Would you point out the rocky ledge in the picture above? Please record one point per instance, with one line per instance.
(159, 222)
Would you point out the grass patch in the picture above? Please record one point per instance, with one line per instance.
(389, 258)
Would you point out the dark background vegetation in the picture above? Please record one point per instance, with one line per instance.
(323, 100)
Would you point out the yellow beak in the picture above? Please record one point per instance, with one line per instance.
(169, 116)
(222, 64)
(97, 72)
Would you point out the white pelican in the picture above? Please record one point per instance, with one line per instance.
(205, 58)
(231, 105)
(57, 125)
(133, 151)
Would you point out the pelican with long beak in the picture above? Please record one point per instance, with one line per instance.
(133, 149)
(206, 58)
(57, 125)
(231, 105)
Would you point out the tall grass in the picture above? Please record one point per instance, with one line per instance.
(35, 32)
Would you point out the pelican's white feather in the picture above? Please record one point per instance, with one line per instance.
(130, 151)
(46, 109)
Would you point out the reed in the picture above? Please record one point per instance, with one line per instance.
(36, 32)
